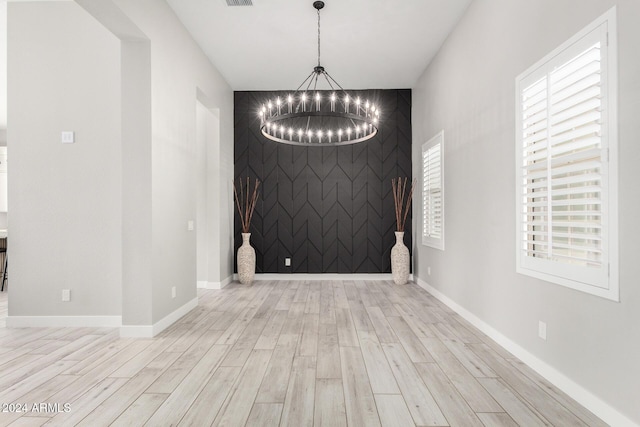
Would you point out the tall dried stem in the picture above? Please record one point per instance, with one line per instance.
(402, 206)
(246, 202)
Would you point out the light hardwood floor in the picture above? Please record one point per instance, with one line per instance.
(288, 353)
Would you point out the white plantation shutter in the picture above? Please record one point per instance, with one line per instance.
(432, 192)
(565, 130)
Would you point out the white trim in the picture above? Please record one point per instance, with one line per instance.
(604, 281)
(150, 331)
(215, 285)
(323, 276)
(202, 284)
(583, 396)
(64, 321)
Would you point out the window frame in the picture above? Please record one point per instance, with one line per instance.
(427, 240)
(562, 273)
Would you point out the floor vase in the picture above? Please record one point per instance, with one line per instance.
(246, 261)
(400, 260)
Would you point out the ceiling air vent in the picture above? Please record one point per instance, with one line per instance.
(239, 3)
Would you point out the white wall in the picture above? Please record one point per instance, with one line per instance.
(65, 198)
(136, 96)
(3, 71)
(179, 70)
(469, 91)
(3, 91)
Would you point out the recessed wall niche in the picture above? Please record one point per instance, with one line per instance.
(329, 209)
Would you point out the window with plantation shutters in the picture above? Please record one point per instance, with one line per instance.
(432, 192)
(566, 146)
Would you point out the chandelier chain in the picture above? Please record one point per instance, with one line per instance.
(318, 11)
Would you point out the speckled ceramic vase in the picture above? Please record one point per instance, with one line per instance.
(400, 260)
(246, 261)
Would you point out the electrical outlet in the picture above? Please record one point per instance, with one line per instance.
(542, 330)
(287, 262)
(66, 295)
(428, 271)
(190, 225)
(173, 292)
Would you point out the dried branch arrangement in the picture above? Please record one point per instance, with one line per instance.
(402, 209)
(246, 202)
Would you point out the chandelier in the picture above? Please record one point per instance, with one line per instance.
(313, 117)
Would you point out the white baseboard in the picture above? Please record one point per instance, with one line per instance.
(63, 321)
(214, 285)
(583, 396)
(150, 331)
(322, 276)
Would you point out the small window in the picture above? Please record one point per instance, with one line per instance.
(433, 192)
(566, 164)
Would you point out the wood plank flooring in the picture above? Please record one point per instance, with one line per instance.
(280, 353)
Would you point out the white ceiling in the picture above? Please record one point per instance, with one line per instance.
(366, 44)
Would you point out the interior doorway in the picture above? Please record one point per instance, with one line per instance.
(207, 192)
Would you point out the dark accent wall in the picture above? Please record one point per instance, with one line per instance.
(328, 208)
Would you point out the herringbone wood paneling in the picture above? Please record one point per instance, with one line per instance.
(328, 208)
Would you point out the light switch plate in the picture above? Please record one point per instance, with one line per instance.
(542, 330)
(190, 225)
(68, 137)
